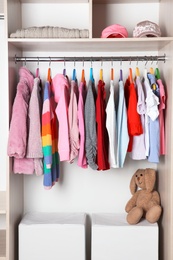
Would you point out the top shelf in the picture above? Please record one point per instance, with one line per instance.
(91, 45)
(87, 1)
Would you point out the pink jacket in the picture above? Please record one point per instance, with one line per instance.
(61, 93)
(17, 141)
(73, 122)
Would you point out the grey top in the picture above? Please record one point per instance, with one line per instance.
(90, 126)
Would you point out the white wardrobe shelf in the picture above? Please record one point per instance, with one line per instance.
(91, 45)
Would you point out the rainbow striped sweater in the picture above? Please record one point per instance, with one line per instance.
(49, 138)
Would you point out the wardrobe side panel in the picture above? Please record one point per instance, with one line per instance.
(15, 182)
(165, 168)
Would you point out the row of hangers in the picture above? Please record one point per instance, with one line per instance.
(137, 72)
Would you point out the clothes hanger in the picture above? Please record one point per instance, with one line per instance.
(157, 72)
(91, 73)
(121, 72)
(130, 73)
(112, 71)
(83, 74)
(49, 71)
(101, 71)
(151, 68)
(37, 74)
(64, 69)
(137, 70)
(74, 73)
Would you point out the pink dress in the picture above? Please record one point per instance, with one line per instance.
(161, 116)
(82, 162)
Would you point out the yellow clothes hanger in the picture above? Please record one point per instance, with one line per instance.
(151, 70)
(137, 72)
(101, 74)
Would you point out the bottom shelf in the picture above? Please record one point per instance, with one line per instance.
(2, 244)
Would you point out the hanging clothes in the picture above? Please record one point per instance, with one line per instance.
(161, 116)
(138, 147)
(148, 98)
(49, 137)
(122, 129)
(102, 134)
(34, 146)
(61, 90)
(73, 122)
(154, 128)
(18, 133)
(82, 161)
(111, 126)
(133, 118)
(90, 126)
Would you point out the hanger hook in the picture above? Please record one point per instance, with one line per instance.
(121, 62)
(83, 61)
(74, 62)
(111, 62)
(137, 61)
(151, 60)
(157, 61)
(101, 62)
(25, 61)
(130, 61)
(146, 61)
(38, 61)
(49, 61)
(64, 62)
(91, 63)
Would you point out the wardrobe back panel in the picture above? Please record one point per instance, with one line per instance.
(84, 189)
(127, 15)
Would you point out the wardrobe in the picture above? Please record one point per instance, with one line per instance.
(85, 190)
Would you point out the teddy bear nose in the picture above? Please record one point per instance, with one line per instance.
(138, 178)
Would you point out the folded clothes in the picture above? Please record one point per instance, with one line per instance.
(50, 32)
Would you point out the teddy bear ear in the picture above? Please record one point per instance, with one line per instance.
(150, 178)
(133, 185)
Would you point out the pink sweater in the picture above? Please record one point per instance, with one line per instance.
(61, 87)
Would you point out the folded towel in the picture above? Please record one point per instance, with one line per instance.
(50, 32)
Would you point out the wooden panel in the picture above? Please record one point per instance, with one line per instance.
(2, 202)
(165, 168)
(1, 6)
(124, 2)
(2, 243)
(54, 1)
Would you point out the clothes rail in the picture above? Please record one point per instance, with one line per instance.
(1, 17)
(91, 59)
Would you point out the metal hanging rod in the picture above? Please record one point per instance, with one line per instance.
(1, 17)
(90, 59)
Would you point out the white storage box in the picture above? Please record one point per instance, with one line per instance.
(114, 239)
(52, 236)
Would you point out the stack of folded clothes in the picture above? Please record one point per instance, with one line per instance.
(50, 32)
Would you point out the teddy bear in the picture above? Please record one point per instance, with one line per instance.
(145, 201)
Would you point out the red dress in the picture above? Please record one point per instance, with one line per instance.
(102, 134)
(133, 118)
